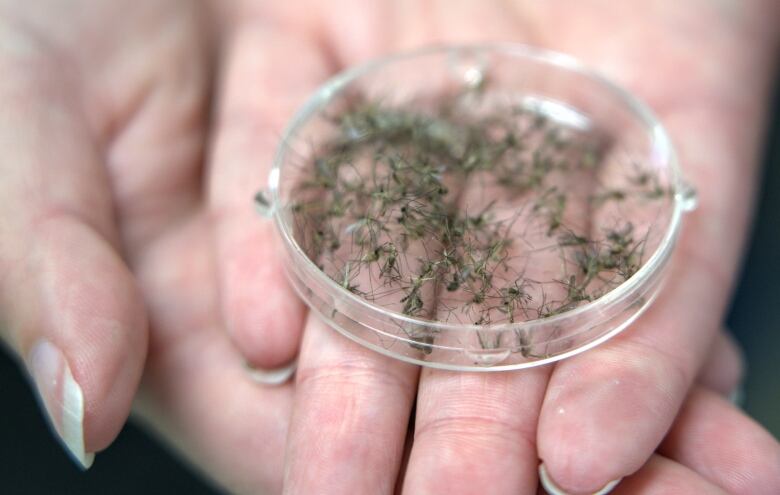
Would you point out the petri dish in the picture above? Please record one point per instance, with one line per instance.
(482, 207)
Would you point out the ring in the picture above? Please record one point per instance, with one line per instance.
(276, 376)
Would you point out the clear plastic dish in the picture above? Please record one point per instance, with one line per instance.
(558, 200)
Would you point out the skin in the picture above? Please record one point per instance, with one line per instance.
(106, 109)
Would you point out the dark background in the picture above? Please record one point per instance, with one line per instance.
(32, 462)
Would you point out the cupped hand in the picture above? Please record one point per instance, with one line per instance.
(112, 226)
(702, 66)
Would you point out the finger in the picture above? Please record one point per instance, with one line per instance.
(197, 395)
(713, 438)
(723, 368)
(358, 449)
(476, 432)
(70, 307)
(258, 93)
(479, 430)
(617, 401)
(350, 416)
(632, 386)
(663, 476)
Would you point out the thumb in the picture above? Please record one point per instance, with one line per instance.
(69, 307)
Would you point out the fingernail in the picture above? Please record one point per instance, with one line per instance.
(552, 489)
(276, 376)
(62, 399)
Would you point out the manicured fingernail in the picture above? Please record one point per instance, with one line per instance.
(552, 489)
(276, 376)
(62, 398)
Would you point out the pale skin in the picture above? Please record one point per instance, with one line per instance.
(128, 240)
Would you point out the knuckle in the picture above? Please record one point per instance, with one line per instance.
(479, 429)
(354, 375)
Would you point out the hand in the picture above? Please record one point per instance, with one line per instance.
(105, 237)
(131, 145)
(593, 418)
